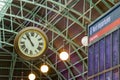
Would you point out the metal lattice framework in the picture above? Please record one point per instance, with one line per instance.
(64, 21)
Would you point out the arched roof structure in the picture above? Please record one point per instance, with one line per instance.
(64, 21)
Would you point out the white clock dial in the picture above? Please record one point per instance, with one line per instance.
(31, 43)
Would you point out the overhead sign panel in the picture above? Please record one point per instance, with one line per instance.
(104, 24)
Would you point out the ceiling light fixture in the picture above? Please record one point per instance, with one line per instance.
(63, 55)
(84, 40)
(31, 76)
(44, 68)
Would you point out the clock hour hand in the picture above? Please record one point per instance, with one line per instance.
(29, 39)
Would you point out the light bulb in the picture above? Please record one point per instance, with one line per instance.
(44, 68)
(64, 55)
(84, 41)
(31, 76)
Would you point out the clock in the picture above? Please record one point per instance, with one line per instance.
(30, 43)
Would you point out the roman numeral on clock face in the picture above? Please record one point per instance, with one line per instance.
(23, 38)
(39, 48)
(32, 33)
(39, 39)
(26, 50)
(31, 53)
(40, 43)
(23, 46)
(22, 42)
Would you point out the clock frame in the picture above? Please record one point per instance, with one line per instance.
(40, 51)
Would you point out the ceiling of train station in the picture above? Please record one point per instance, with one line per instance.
(64, 22)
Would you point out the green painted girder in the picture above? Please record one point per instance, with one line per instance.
(58, 32)
(54, 50)
(7, 68)
(69, 41)
(78, 53)
(12, 21)
(49, 63)
(94, 5)
(38, 24)
(64, 64)
(13, 62)
(106, 4)
(55, 29)
(8, 30)
(74, 63)
(112, 1)
(60, 76)
(27, 63)
(68, 8)
(66, 38)
(56, 11)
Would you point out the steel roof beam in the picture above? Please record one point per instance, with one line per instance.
(106, 4)
(94, 5)
(56, 11)
(13, 62)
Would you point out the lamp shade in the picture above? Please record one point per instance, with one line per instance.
(84, 41)
(31, 76)
(63, 55)
(44, 68)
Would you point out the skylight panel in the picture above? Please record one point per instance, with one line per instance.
(2, 4)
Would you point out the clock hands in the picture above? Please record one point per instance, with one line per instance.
(29, 39)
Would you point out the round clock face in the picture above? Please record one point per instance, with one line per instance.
(30, 43)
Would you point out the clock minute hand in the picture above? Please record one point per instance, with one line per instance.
(29, 40)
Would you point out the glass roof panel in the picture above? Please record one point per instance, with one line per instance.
(4, 5)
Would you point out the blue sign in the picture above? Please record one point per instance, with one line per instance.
(104, 20)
